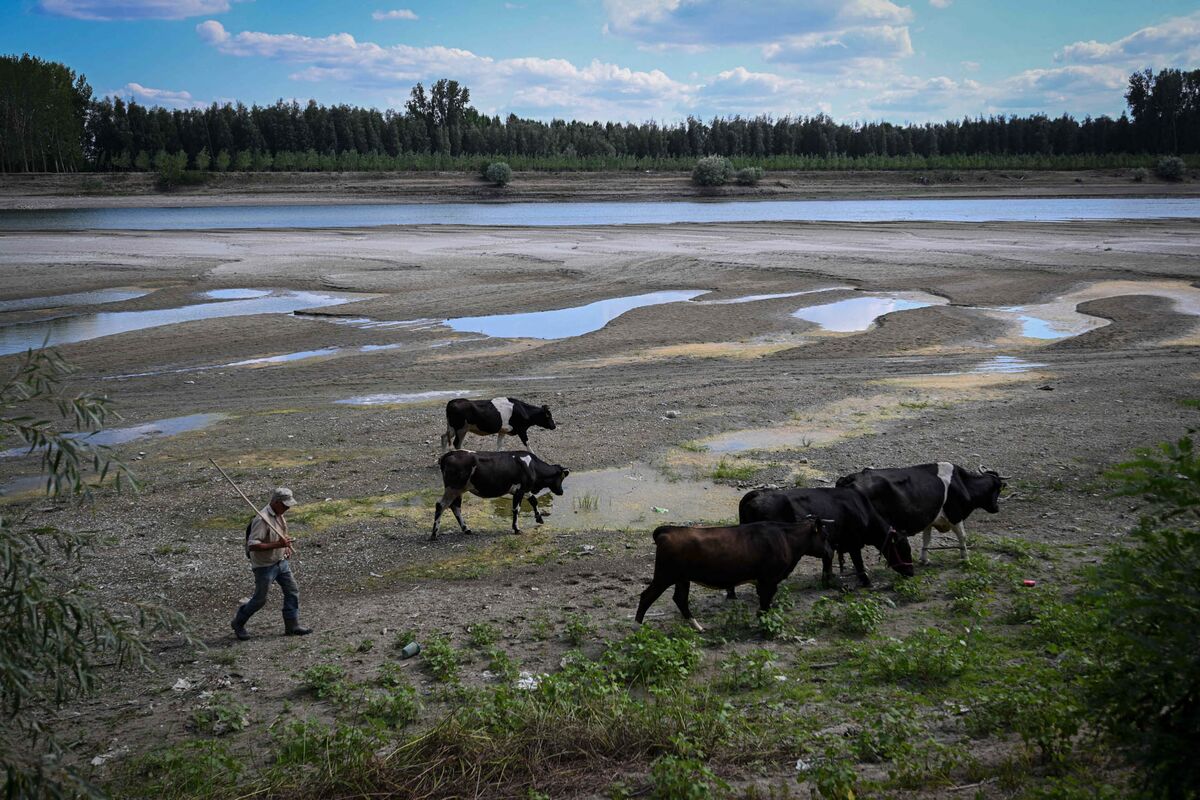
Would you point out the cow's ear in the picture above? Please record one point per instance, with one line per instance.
(566, 472)
(545, 407)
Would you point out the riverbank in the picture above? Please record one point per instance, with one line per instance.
(118, 190)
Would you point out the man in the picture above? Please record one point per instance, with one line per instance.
(269, 548)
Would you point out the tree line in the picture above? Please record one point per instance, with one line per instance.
(52, 123)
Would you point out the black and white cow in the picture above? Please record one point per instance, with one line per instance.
(512, 472)
(848, 517)
(501, 416)
(927, 496)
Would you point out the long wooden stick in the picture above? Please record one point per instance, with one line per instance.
(257, 511)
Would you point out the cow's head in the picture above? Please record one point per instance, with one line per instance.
(545, 419)
(990, 482)
(555, 481)
(898, 552)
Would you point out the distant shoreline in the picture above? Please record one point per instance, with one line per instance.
(40, 191)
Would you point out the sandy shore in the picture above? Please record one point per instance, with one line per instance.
(908, 389)
(137, 190)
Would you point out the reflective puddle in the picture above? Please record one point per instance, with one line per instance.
(636, 496)
(1007, 365)
(96, 298)
(111, 437)
(859, 313)
(400, 399)
(784, 437)
(564, 323)
(1059, 319)
(284, 358)
(19, 337)
(236, 294)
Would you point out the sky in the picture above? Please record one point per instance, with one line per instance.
(622, 60)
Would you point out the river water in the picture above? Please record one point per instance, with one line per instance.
(590, 214)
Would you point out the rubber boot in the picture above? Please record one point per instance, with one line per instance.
(292, 627)
(239, 630)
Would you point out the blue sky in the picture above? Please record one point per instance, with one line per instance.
(622, 60)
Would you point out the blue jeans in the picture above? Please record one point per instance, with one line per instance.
(280, 571)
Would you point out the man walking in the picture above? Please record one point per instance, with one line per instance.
(269, 549)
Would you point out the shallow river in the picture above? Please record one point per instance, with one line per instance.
(569, 214)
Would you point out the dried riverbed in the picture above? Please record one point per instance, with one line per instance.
(650, 405)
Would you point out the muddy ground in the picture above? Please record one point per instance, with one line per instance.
(906, 390)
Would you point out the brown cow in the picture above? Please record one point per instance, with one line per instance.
(721, 558)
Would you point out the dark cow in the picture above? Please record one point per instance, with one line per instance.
(850, 519)
(501, 416)
(927, 496)
(512, 472)
(721, 558)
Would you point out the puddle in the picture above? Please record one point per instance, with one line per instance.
(67, 330)
(564, 323)
(236, 294)
(400, 399)
(784, 437)
(1059, 319)
(754, 298)
(621, 498)
(859, 313)
(286, 357)
(23, 485)
(366, 323)
(111, 437)
(1007, 364)
(96, 298)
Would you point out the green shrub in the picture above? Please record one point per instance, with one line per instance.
(1042, 710)
(925, 658)
(683, 777)
(333, 751)
(912, 590)
(1145, 689)
(654, 659)
(482, 634)
(712, 171)
(886, 736)
(1140, 174)
(578, 629)
(220, 715)
(748, 176)
(1170, 168)
(394, 707)
(498, 173)
(190, 769)
(326, 681)
(441, 660)
(853, 614)
(753, 670)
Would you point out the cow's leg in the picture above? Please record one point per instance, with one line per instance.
(827, 570)
(961, 533)
(731, 593)
(524, 437)
(459, 435)
(841, 562)
(652, 592)
(766, 593)
(500, 440)
(447, 500)
(863, 578)
(681, 599)
(926, 537)
(456, 507)
(537, 514)
(447, 438)
(516, 509)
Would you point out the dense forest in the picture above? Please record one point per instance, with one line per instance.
(49, 121)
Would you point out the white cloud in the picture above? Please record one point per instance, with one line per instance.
(926, 98)
(1075, 89)
(597, 89)
(1175, 42)
(717, 22)
(156, 97)
(940, 3)
(132, 9)
(970, 66)
(398, 13)
(847, 48)
(740, 91)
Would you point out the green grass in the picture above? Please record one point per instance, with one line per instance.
(731, 470)
(589, 501)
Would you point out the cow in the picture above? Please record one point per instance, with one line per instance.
(501, 416)
(723, 557)
(851, 520)
(514, 472)
(927, 496)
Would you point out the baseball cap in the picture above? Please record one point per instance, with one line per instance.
(284, 495)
